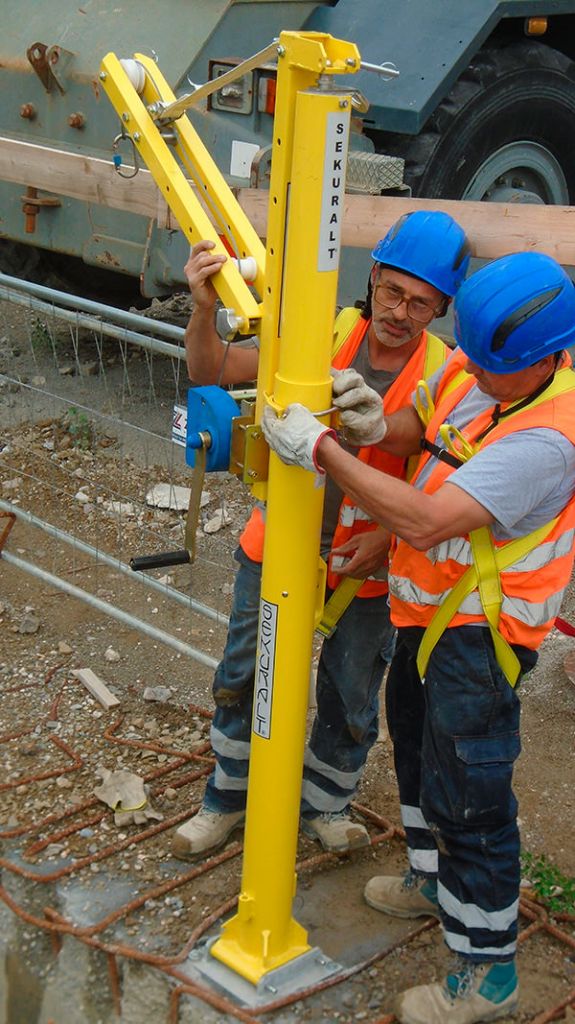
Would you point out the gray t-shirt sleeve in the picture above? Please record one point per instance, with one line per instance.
(524, 480)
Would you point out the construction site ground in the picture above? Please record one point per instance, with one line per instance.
(97, 920)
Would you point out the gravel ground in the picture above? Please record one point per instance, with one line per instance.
(55, 736)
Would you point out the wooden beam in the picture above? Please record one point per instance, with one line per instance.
(494, 229)
(77, 176)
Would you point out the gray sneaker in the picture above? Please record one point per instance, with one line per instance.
(410, 896)
(336, 832)
(205, 832)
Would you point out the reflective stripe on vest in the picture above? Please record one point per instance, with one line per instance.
(528, 612)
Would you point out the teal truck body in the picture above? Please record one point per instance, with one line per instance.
(483, 108)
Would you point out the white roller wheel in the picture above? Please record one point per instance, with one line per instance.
(136, 73)
(247, 267)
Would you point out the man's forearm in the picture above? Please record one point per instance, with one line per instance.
(421, 519)
(403, 434)
(209, 361)
(204, 350)
(387, 500)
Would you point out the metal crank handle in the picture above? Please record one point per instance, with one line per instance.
(161, 560)
(184, 556)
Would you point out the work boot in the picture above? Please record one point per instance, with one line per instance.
(205, 832)
(336, 832)
(473, 993)
(410, 896)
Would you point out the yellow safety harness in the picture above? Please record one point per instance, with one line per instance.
(488, 561)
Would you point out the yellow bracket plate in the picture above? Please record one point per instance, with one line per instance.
(320, 53)
(257, 457)
(250, 454)
(238, 444)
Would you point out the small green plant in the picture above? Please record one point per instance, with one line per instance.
(79, 428)
(40, 335)
(549, 884)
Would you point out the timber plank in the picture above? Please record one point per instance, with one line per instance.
(494, 229)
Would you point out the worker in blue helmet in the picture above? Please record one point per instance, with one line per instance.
(482, 553)
(419, 266)
(518, 310)
(429, 245)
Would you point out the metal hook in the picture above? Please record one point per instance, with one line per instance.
(117, 156)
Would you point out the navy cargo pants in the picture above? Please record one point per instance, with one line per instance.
(349, 677)
(456, 738)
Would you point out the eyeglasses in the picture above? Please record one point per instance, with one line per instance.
(391, 297)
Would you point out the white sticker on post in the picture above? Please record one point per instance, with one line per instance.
(242, 158)
(265, 662)
(332, 200)
(179, 425)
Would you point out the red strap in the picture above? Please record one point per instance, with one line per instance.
(565, 627)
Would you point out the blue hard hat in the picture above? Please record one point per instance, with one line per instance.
(429, 245)
(515, 311)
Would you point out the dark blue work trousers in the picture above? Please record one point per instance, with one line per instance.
(350, 673)
(456, 738)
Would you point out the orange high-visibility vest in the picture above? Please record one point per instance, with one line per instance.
(349, 332)
(352, 520)
(532, 587)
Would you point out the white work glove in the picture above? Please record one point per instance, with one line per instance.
(295, 435)
(361, 408)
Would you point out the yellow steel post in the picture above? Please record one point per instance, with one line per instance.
(302, 57)
(263, 935)
(297, 283)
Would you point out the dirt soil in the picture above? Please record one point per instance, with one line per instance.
(60, 846)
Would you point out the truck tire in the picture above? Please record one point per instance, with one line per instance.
(503, 134)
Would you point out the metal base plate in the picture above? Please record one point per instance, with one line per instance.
(301, 972)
